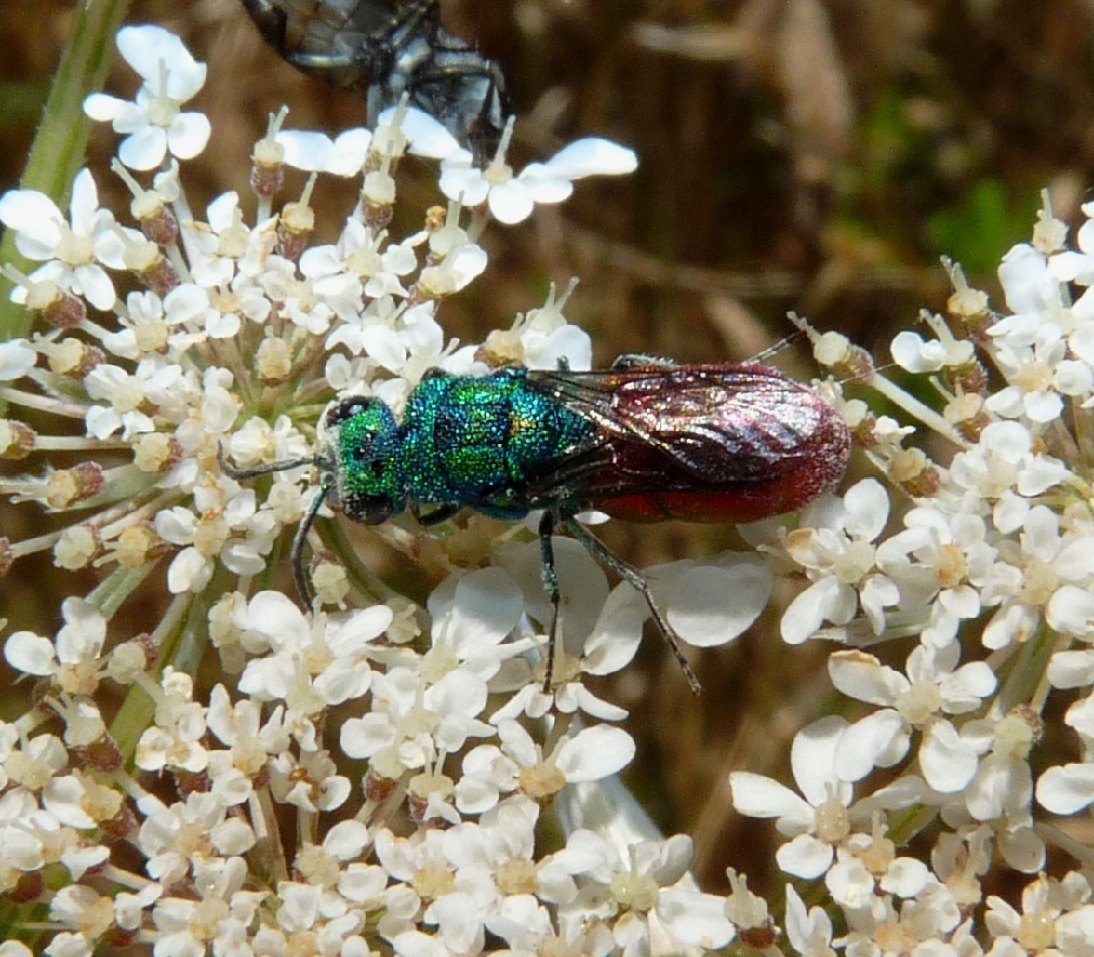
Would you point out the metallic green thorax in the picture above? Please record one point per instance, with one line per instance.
(477, 441)
(463, 441)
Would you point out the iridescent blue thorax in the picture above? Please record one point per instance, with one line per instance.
(476, 442)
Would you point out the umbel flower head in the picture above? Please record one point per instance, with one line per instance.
(202, 814)
(371, 776)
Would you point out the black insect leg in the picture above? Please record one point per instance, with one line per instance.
(550, 585)
(297, 552)
(440, 514)
(595, 547)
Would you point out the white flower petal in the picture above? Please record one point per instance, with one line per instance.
(308, 150)
(878, 740)
(693, 919)
(828, 599)
(150, 49)
(16, 359)
(1066, 789)
(905, 877)
(36, 220)
(510, 203)
(144, 149)
(805, 856)
(595, 753)
(30, 653)
(103, 108)
(188, 135)
(1071, 669)
(712, 604)
(757, 796)
(593, 156)
(948, 760)
(861, 676)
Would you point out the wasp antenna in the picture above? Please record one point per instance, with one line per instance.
(283, 466)
(776, 347)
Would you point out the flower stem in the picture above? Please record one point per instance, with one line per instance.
(61, 139)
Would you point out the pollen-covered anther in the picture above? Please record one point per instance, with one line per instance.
(915, 473)
(967, 414)
(846, 360)
(378, 199)
(377, 787)
(157, 452)
(541, 782)
(55, 306)
(436, 217)
(17, 440)
(274, 360)
(1023, 727)
(78, 547)
(63, 487)
(502, 347)
(330, 581)
(211, 534)
(969, 306)
(421, 790)
(102, 754)
(970, 377)
(73, 357)
(7, 556)
(138, 545)
(132, 658)
(294, 230)
(267, 167)
(151, 267)
(157, 219)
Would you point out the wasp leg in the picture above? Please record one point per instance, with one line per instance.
(439, 514)
(297, 551)
(595, 547)
(550, 585)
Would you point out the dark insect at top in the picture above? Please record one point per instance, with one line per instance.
(388, 48)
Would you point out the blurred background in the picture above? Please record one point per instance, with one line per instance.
(814, 155)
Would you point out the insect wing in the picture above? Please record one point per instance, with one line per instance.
(701, 443)
(333, 39)
(390, 49)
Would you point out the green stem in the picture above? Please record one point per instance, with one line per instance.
(59, 145)
(181, 638)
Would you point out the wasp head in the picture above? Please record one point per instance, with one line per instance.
(362, 454)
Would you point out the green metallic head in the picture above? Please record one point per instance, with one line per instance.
(361, 454)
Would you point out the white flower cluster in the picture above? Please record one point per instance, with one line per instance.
(998, 551)
(378, 778)
(219, 815)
